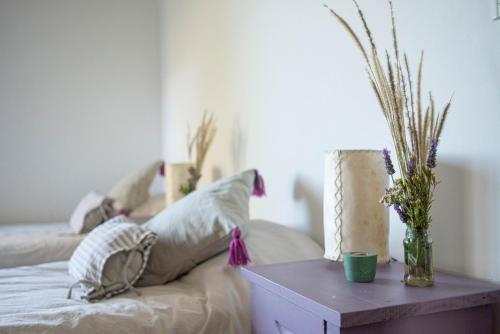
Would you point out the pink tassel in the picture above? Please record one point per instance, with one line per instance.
(238, 255)
(259, 188)
(162, 169)
(122, 212)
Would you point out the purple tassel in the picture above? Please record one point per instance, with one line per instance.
(162, 169)
(122, 212)
(238, 255)
(259, 188)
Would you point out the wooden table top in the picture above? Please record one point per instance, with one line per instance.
(319, 286)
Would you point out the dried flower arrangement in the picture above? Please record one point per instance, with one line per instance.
(200, 142)
(415, 133)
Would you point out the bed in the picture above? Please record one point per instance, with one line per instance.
(30, 244)
(212, 298)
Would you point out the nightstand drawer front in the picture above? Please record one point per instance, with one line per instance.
(274, 314)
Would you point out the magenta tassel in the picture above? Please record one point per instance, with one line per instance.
(162, 169)
(238, 255)
(122, 212)
(259, 188)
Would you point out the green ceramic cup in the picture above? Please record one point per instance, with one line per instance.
(360, 266)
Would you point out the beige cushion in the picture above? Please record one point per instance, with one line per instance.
(133, 190)
(153, 206)
(197, 227)
(91, 211)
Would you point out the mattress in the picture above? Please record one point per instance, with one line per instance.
(29, 244)
(212, 298)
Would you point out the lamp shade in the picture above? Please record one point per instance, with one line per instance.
(354, 219)
(176, 175)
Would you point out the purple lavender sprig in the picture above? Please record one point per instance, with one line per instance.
(388, 162)
(401, 213)
(431, 160)
(411, 169)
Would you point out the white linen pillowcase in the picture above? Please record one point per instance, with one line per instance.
(111, 258)
(197, 227)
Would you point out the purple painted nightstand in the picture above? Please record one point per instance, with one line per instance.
(314, 297)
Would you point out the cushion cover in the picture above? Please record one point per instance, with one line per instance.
(153, 206)
(133, 190)
(92, 210)
(197, 227)
(111, 258)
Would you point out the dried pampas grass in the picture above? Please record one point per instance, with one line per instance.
(202, 140)
(411, 128)
(415, 133)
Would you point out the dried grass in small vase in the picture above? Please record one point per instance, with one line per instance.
(200, 143)
(415, 133)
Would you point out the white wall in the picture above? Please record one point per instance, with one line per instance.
(79, 100)
(287, 83)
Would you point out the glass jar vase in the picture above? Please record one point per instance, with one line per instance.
(418, 258)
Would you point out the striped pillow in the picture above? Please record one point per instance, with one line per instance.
(111, 258)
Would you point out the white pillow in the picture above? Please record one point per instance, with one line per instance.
(153, 206)
(91, 211)
(111, 258)
(133, 190)
(197, 227)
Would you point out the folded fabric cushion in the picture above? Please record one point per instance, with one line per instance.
(92, 210)
(111, 258)
(197, 227)
(133, 190)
